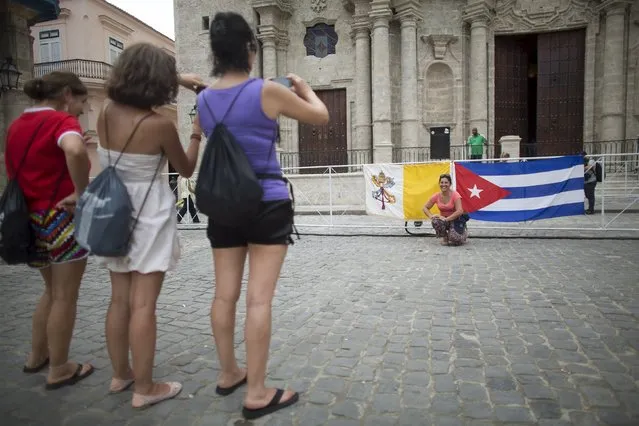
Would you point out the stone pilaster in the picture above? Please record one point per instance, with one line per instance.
(282, 51)
(273, 15)
(381, 86)
(409, 15)
(363, 130)
(613, 109)
(268, 37)
(479, 15)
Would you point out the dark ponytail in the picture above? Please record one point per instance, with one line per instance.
(52, 85)
(232, 39)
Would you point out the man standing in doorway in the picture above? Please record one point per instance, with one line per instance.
(477, 141)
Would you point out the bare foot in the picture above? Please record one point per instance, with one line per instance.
(155, 390)
(157, 393)
(227, 380)
(119, 384)
(67, 371)
(35, 361)
(255, 403)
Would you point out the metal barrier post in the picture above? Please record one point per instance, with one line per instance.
(603, 191)
(330, 194)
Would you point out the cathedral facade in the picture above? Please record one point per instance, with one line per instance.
(407, 80)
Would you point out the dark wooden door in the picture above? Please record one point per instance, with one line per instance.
(511, 89)
(325, 145)
(560, 92)
(440, 143)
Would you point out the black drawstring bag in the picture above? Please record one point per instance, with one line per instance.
(228, 190)
(17, 240)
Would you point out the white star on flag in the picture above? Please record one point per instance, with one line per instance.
(474, 191)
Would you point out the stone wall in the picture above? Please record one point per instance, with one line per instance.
(632, 104)
(441, 58)
(17, 44)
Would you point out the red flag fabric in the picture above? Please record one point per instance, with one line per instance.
(476, 192)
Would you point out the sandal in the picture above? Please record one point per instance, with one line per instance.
(77, 376)
(271, 407)
(227, 391)
(140, 402)
(37, 368)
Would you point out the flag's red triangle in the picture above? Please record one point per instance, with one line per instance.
(476, 192)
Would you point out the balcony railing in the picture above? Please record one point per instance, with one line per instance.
(81, 67)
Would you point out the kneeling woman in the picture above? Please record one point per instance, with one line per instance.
(450, 224)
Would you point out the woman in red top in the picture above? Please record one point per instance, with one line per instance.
(449, 204)
(54, 173)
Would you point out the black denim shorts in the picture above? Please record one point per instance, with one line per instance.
(273, 225)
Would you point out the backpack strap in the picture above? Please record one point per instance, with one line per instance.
(126, 144)
(24, 156)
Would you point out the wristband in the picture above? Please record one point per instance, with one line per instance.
(196, 137)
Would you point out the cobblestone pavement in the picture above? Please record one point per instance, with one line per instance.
(374, 331)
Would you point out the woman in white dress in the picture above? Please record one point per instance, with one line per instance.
(141, 141)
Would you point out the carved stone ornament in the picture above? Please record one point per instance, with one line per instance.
(318, 6)
(439, 43)
(513, 16)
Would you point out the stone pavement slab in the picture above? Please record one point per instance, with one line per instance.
(373, 331)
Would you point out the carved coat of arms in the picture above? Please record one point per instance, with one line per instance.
(318, 5)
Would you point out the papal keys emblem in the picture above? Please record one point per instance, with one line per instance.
(383, 183)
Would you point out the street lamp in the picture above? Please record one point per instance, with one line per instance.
(9, 75)
(193, 113)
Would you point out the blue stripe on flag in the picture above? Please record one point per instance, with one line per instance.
(544, 190)
(573, 209)
(523, 167)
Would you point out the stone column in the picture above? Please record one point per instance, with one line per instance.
(479, 74)
(286, 138)
(362, 124)
(268, 37)
(613, 109)
(408, 17)
(382, 144)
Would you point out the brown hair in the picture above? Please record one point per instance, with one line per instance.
(52, 85)
(144, 76)
(446, 176)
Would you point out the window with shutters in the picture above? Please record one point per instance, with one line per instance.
(50, 46)
(115, 49)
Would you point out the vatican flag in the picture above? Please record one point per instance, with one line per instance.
(401, 190)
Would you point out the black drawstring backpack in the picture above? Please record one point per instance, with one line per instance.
(228, 190)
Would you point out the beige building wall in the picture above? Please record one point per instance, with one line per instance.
(409, 65)
(86, 39)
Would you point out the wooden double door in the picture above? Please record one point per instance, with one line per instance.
(539, 91)
(325, 145)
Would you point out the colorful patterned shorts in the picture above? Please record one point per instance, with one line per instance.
(54, 242)
(445, 230)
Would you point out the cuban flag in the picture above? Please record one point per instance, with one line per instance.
(522, 190)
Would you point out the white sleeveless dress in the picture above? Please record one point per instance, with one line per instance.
(155, 245)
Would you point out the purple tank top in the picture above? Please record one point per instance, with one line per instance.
(253, 130)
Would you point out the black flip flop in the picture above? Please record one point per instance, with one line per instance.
(77, 376)
(227, 391)
(37, 368)
(273, 406)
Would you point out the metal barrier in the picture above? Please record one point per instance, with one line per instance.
(333, 197)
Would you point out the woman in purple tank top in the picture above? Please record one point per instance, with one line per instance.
(249, 108)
